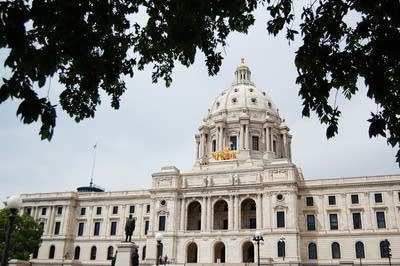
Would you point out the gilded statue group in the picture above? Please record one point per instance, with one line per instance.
(226, 154)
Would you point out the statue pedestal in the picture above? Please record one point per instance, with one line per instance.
(124, 255)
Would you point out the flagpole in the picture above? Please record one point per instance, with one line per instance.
(93, 164)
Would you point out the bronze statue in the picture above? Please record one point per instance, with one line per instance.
(129, 228)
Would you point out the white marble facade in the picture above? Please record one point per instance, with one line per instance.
(210, 214)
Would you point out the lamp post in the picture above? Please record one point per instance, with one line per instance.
(282, 241)
(13, 203)
(159, 238)
(258, 239)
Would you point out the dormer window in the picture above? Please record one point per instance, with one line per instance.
(251, 90)
(253, 100)
(234, 100)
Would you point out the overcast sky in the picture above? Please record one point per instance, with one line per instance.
(155, 127)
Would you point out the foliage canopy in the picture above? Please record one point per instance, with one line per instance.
(26, 236)
(91, 45)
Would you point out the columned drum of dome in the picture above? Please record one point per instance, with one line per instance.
(244, 121)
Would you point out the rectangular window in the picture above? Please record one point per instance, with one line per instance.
(113, 229)
(59, 210)
(148, 208)
(399, 195)
(83, 211)
(132, 209)
(161, 223)
(57, 228)
(115, 209)
(309, 201)
(98, 210)
(214, 145)
(357, 220)
(96, 229)
(354, 199)
(333, 219)
(310, 222)
(233, 140)
(380, 219)
(253, 223)
(44, 210)
(378, 197)
(80, 229)
(254, 143)
(146, 227)
(280, 219)
(332, 200)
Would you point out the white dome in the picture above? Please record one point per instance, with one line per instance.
(243, 98)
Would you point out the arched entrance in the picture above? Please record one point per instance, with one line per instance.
(248, 214)
(220, 215)
(194, 216)
(248, 251)
(191, 252)
(219, 252)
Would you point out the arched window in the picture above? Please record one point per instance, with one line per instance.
(248, 252)
(335, 250)
(220, 215)
(144, 253)
(194, 216)
(93, 252)
(77, 253)
(312, 251)
(384, 246)
(191, 252)
(219, 252)
(248, 214)
(110, 252)
(52, 251)
(281, 248)
(360, 250)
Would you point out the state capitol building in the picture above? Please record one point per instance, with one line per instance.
(243, 180)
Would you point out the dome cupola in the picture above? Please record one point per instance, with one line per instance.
(243, 74)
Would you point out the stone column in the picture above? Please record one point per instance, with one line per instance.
(258, 212)
(269, 142)
(285, 152)
(230, 213)
(182, 227)
(197, 146)
(201, 150)
(241, 143)
(203, 214)
(246, 138)
(210, 214)
(51, 220)
(236, 212)
(221, 138)
(124, 255)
